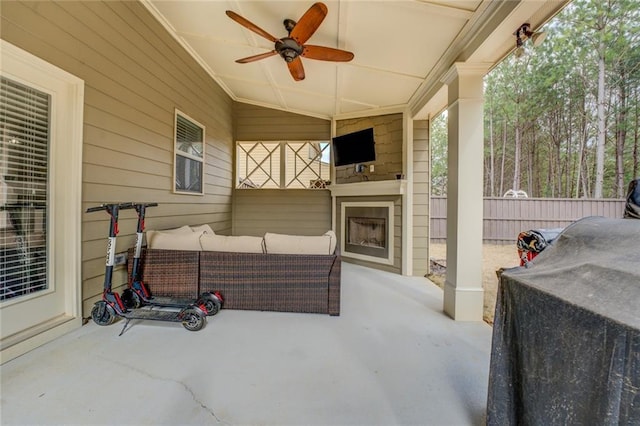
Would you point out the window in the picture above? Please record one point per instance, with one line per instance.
(24, 157)
(189, 155)
(282, 164)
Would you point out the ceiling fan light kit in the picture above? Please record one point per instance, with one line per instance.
(293, 47)
(523, 33)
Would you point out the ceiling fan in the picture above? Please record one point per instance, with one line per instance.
(292, 47)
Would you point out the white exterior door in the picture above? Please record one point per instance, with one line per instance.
(40, 201)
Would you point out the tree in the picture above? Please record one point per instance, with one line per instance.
(569, 105)
(562, 120)
(438, 138)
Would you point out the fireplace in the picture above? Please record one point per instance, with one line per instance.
(367, 231)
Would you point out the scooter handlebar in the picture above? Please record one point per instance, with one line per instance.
(121, 206)
(97, 208)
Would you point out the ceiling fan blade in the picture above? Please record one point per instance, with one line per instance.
(296, 69)
(309, 23)
(323, 53)
(256, 57)
(250, 25)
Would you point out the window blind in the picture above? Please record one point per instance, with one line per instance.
(189, 155)
(189, 137)
(24, 158)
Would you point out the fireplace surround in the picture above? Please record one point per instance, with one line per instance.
(367, 230)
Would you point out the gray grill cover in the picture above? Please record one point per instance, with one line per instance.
(566, 333)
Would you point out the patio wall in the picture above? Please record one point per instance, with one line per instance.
(283, 211)
(255, 123)
(258, 124)
(421, 192)
(387, 131)
(135, 76)
(286, 211)
(505, 218)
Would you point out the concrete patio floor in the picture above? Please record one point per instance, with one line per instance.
(391, 358)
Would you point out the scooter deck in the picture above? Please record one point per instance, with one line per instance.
(187, 319)
(152, 314)
(169, 301)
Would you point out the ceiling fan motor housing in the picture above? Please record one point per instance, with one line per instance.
(288, 48)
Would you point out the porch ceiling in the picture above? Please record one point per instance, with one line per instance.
(402, 48)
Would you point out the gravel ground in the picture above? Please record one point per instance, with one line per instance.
(494, 257)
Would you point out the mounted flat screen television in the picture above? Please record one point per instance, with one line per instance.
(354, 148)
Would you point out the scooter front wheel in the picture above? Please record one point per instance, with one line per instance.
(102, 313)
(192, 319)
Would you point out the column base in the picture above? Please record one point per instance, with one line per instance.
(463, 304)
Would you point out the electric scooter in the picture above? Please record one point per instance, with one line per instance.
(105, 311)
(138, 294)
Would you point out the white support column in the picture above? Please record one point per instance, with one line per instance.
(463, 293)
(407, 197)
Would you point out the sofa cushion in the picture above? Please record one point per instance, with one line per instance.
(299, 244)
(174, 239)
(239, 244)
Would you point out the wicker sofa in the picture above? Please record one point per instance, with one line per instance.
(308, 283)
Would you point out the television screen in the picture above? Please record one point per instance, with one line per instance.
(354, 148)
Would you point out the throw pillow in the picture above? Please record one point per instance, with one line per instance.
(172, 240)
(239, 244)
(297, 244)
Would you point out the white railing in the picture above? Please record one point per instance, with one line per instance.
(284, 165)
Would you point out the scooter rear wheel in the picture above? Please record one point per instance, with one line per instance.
(211, 303)
(102, 313)
(192, 319)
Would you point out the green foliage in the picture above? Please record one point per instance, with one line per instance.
(439, 155)
(542, 107)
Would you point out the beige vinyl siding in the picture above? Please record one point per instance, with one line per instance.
(421, 190)
(387, 133)
(255, 123)
(289, 211)
(135, 76)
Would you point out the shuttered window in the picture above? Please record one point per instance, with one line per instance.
(24, 159)
(189, 155)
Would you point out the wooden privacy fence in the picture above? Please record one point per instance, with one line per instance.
(505, 218)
